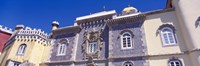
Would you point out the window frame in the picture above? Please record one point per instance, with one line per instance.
(60, 50)
(174, 62)
(163, 38)
(126, 40)
(13, 63)
(94, 46)
(16, 64)
(129, 63)
(22, 49)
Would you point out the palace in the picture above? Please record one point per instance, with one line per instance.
(167, 37)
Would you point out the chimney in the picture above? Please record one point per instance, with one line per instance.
(55, 25)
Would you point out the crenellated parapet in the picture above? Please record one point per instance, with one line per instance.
(28, 34)
(6, 29)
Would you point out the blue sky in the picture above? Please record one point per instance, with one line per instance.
(41, 13)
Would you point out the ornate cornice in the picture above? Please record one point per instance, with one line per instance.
(96, 17)
(135, 18)
(66, 30)
(127, 20)
(159, 11)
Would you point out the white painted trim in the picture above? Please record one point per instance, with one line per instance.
(6, 29)
(58, 54)
(96, 15)
(163, 40)
(131, 40)
(174, 61)
(93, 47)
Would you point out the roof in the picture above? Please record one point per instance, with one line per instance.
(103, 13)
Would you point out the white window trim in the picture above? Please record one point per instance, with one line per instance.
(131, 41)
(163, 39)
(174, 61)
(16, 64)
(128, 62)
(94, 49)
(13, 63)
(62, 50)
(21, 49)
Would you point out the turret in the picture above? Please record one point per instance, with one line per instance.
(18, 27)
(55, 25)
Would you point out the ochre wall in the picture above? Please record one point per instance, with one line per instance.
(163, 60)
(153, 38)
(4, 56)
(35, 52)
(154, 42)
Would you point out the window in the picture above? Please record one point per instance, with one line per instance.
(21, 49)
(13, 63)
(128, 64)
(126, 40)
(16, 64)
(92, 47)
(61, 49)
(168, 37)
(175, 63)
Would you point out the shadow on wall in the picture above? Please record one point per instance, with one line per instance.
(197, 23)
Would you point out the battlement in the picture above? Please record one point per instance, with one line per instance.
(30, 31)
(6, 29)
(28, 35)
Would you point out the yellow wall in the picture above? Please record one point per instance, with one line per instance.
(4, 56)
(163, 60)
(154, 42)
(35, 52)
(153, 39)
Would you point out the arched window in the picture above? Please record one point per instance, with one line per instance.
(175, 63)
(62, 49)
(126, 40)
(168, 37)
(128, 64)
(21, 49)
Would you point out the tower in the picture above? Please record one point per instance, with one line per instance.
(188, 14)
(55, 25)
(27, 46)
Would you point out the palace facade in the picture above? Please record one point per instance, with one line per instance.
(167, 37)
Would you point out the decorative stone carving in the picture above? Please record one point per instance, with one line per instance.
(90, 61)
(166, 25)
(93, 36)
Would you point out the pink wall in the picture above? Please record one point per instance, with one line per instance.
(3, 38)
